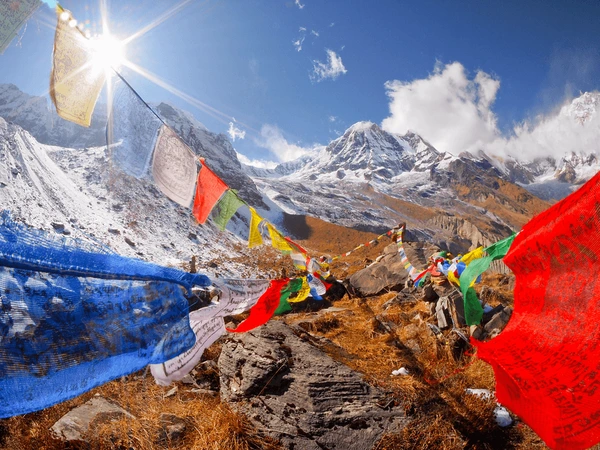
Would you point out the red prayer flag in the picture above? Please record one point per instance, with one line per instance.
(547, 359)
(209, 189)
(295, 245)
(264, 308)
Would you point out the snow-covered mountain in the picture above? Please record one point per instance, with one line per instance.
(371, 179)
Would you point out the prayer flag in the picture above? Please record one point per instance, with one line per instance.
(131, 131)
(295, 246)
(208, 191)
(473, 309)
(299, 260)
(64, 335)
(317, 285)
(546, 360)
(13, 14)
(235, 297)
(255, 238)
(226, 208)
(472, 255)
(174, 167)
(277, 240)
(302, 292)
(75, 82)
(264, 308)
(284, 306)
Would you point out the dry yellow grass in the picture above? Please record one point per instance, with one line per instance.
(443, 415)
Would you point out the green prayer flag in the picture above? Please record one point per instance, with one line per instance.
(473, 309)
(293, 286)
(226, 208)
(13, 14)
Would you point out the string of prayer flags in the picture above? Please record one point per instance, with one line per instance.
(278, 241)
(174, 167)
(366, 244)
(293, 286)
(209, 189)
(413, 273)
(131, 131)
(235, 297)
(265, 307)
(75, 83)
(226, 208)
(255, 238)
(546, 360)
(473, 308)
(13, 14)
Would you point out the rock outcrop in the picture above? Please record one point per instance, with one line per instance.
(299, 395)
(79, 423)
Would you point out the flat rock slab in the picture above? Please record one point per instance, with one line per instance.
(298, 394)
(77, 423)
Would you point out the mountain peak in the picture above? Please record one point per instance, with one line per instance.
(584, 107)
(363, 126)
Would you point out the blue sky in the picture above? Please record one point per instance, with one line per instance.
(409, 65)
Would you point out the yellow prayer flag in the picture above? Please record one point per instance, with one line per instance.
(75, 83)
(303, 293)
(254, 239)
(452, 278)
(472, 256)
(277, 240)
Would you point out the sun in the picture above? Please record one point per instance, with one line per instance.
(107, 53)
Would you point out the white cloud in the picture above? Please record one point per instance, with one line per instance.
(314, 33)
(554, 134)
(447, 108)
(332, 69)
(454, 112)
(332, 24)
(302, 29)
(235, 133)
(298, 44)
(256, 162)
(332, 118)
(272, 139)
(298, 4)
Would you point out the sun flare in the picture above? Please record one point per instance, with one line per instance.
(108, 52)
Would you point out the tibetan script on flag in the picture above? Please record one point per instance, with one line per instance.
(547, 359)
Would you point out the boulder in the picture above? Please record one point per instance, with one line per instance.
(79, 423)
(296, 393)
(498, 322)
(388, 272)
